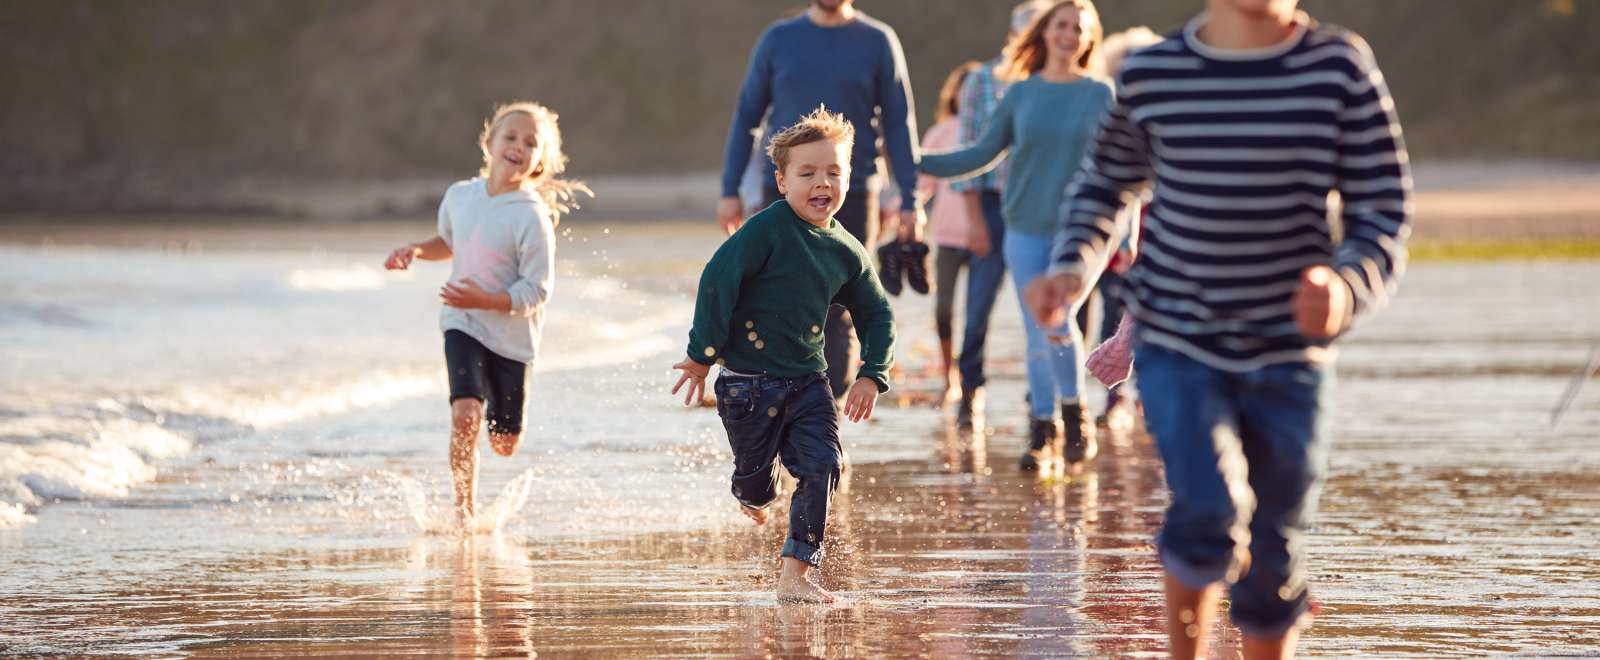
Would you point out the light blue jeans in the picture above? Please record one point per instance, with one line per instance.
(1055, 369)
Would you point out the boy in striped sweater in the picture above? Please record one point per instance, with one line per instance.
(1244, 122)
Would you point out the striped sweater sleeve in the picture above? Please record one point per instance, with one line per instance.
(1113, 173)
(1373, 175)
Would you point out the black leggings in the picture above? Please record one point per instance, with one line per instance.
(478, 373)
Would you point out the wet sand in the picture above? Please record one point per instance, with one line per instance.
(1454, 522)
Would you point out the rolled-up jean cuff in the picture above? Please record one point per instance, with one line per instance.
(1300, 619)
(1191, 575)
(802, 551)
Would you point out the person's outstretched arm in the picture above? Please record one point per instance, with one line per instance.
(433, 249)
(755, 95)
(1374, 181)
(982, 155)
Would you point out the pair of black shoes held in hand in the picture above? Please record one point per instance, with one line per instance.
(903, 260)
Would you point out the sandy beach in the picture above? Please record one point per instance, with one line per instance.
(299, 395)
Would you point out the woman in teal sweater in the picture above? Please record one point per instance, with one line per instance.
(1043, 127)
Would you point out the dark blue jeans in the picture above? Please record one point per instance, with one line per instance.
(984, 277)
(793, 421)
(1245, 456)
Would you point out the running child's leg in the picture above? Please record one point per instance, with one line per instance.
(1191, 413)
(811, 452)
(466, 364)
(466, 418)
(753, 434)
(1283, 431)
(508, 386)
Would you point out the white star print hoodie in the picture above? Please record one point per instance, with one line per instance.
(505, 243)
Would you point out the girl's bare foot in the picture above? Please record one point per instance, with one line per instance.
(795, 587)
(758, 515)
(505, 444)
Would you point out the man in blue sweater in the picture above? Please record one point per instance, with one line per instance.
(845, 60)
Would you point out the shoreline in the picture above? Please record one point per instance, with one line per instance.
(1454, 199)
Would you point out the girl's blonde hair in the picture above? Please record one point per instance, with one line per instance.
(950, 93)
(1026, 55)
(559, 194)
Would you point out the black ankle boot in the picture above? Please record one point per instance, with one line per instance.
(1042, 439)
(1080, 440)
(891, 272)
(914, 259)
(968, 411)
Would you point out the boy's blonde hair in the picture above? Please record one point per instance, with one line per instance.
(559, 194)
(819, 125)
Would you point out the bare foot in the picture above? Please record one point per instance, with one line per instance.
(800, 589)
(505, 444)
(758, 515)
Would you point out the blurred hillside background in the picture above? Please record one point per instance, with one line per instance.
(192, 105)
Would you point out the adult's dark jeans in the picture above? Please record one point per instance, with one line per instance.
(792, 421)
(984, 277)
(859, 216)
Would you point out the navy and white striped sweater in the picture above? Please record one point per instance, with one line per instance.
(1243, 148)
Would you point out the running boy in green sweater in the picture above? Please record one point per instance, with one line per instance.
(762, 304)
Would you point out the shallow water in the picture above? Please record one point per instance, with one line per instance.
(222, 452)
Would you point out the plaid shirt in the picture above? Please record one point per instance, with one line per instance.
(980, 95)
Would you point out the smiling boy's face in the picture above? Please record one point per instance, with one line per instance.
(816, 179)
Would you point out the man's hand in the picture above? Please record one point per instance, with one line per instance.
(401, 258)
(911, 222)
(860, 400)
(1048, 296)
(694, 374)
(1322, 304)
(730, 214)
(468, 295)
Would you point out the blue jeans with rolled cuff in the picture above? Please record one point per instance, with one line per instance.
(1245, 457)
(773, 420)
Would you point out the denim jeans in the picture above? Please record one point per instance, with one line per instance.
(1245, 456)
(984, 277)
(792, 421)
(1055, 369)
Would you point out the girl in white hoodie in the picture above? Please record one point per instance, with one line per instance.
(500, 230)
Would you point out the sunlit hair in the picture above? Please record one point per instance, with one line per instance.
(1026, 54)
(559, 194)
(819, 125)
(950, 93)
(1114, 51)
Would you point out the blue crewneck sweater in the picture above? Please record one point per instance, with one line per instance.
(856, 69)
(1043, 129)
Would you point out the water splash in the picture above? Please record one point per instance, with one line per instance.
(435, 518)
